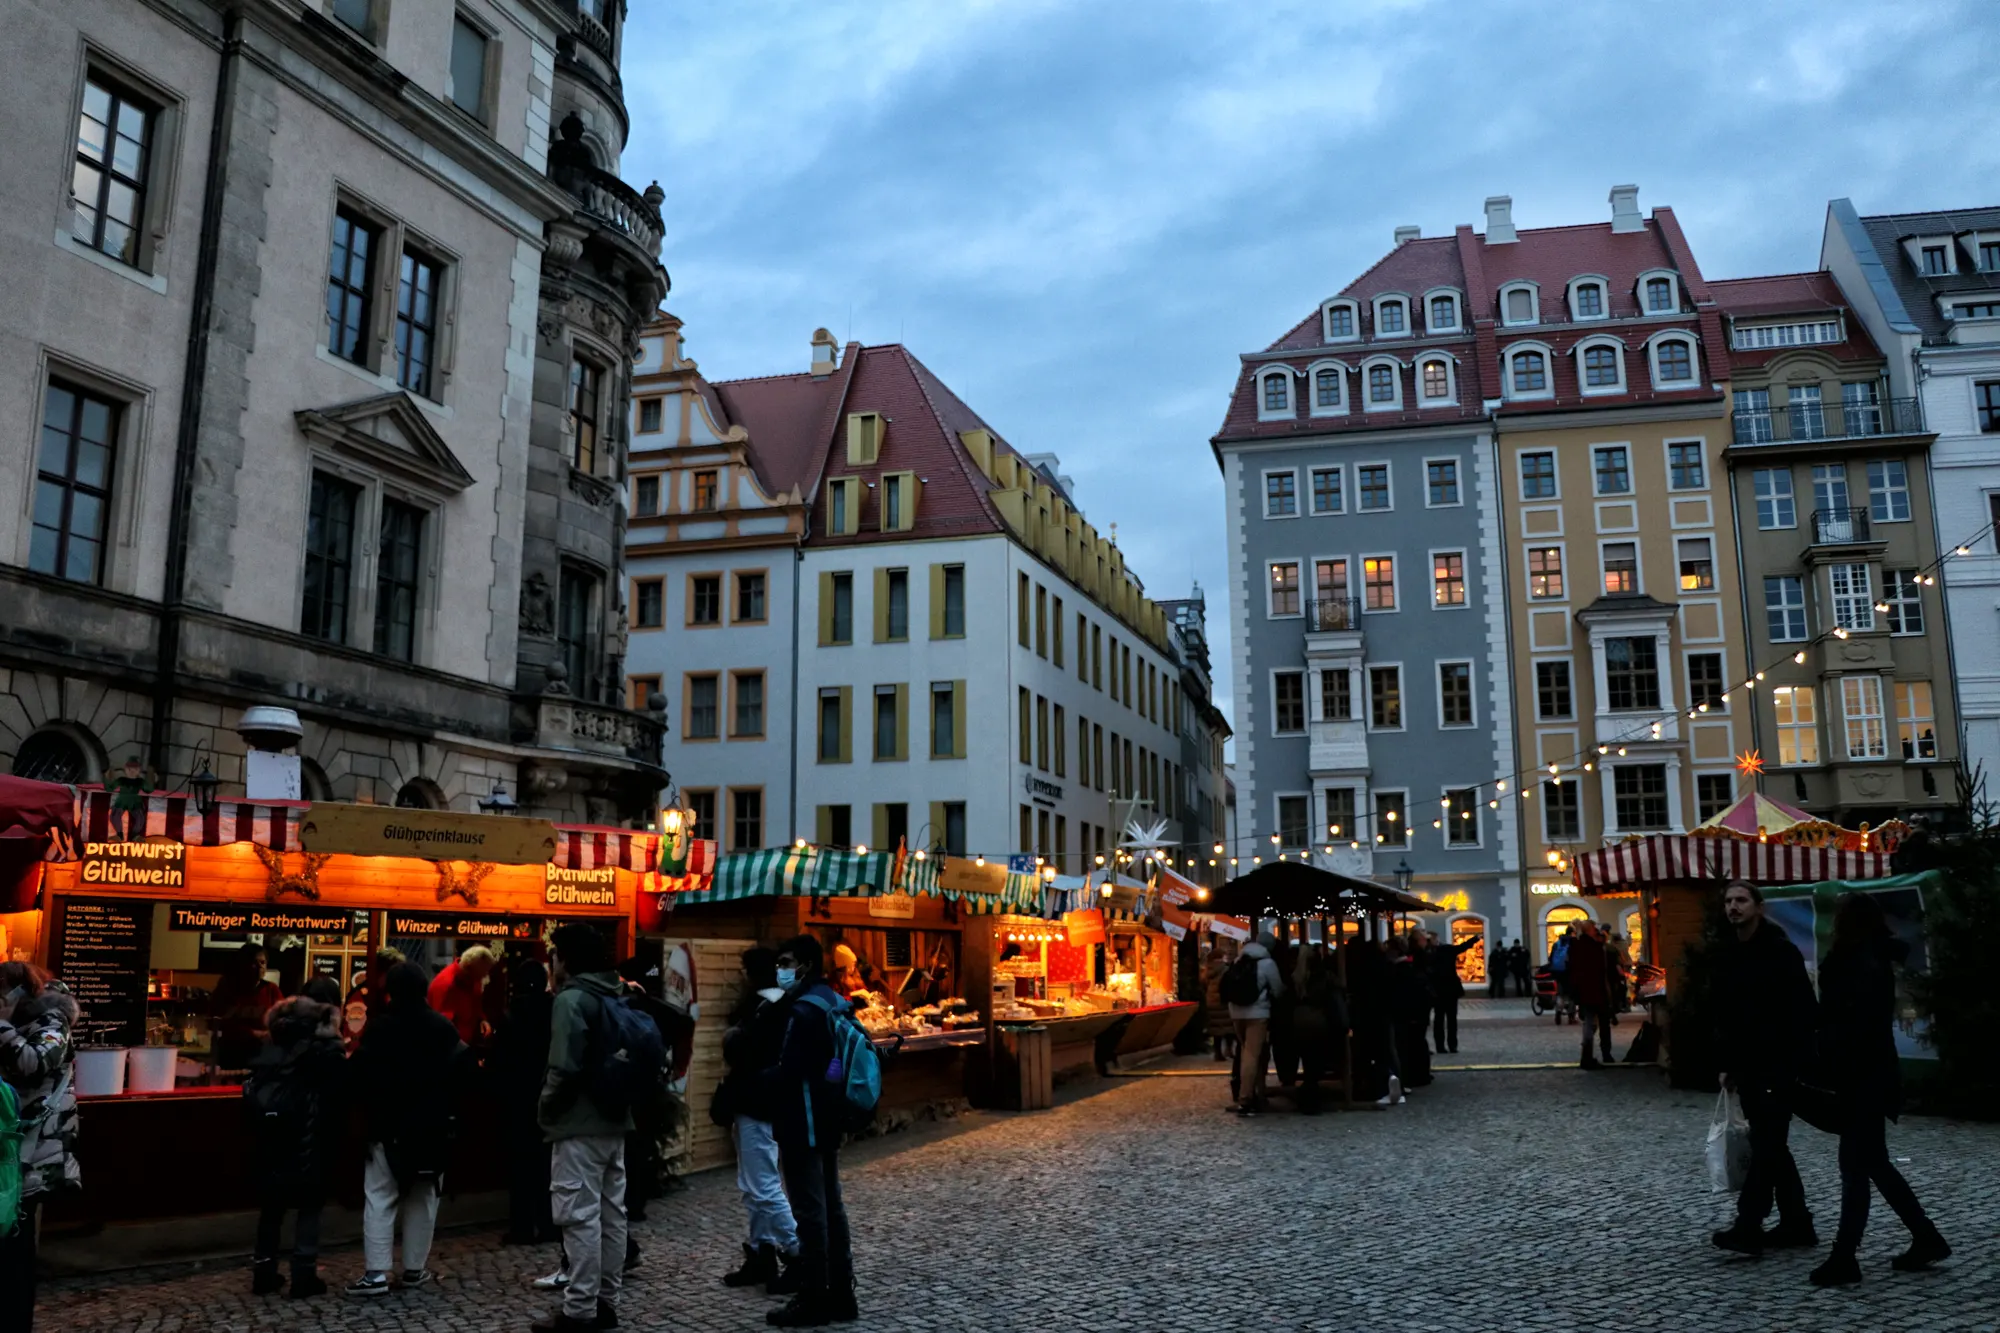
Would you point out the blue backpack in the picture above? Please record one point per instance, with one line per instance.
(1559, 957)
(860, 1062)
(631, 1057)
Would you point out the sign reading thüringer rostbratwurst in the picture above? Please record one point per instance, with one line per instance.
(564, 887)
(431, 835)
(236, 918)
(161, 865)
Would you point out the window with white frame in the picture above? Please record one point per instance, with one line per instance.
(1378, 582)
(1392, 824)
(1538, 476)
(1587, 300)
(1752, 416)
(1660, 296)
(1853, 604)
(1621, 569)
(1528, 373)
(1697, 564)
(1545, 572)
(1639, 792)
(1385, 697)
(1517, 304)
(1936, 260)
(1861, 711)
(1713, 793)
(1554, 699)
(1802, 333)
(1989, 255)
(1705, 684)
(1330, 582)
(1632, 673)
(1340, 322)
(1455, 694)
(1336, 695)
(1284, 587)
(1294, 822)
(1326, 496)
(1371, 481)
(1916, 719)
(1603, 367)
(1443, 480)
(1391, 318)
(1785, 607)
(1798, 725)
(1461, 817)
(1861, 408)
(1436, 375)
(1444, 313)
(1277, 397)
(1888, 491)
(1673, 362)
(1327, 395)
(1281, 494)
(1448, 578)
(1562, 811)
(1384, 388)
(1611, 468)
(1288, 701)
(1903, 595)
(1685, 468)
(1340, 813)
(1773, 489)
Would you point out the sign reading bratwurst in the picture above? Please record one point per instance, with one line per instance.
(430, 835)
(563, 887)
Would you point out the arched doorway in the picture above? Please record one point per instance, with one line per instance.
(1558, 919)
(1472, 963)
(420, 794)
(54, 754)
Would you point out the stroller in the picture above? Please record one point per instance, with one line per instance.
(1548, 997)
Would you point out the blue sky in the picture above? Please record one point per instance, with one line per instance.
(1078, 214)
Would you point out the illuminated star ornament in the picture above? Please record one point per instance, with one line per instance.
(1749, 763)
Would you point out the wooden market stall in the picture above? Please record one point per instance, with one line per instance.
(143, 932)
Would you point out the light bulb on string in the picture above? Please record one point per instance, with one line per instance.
(1799, 657)
(1621, 752)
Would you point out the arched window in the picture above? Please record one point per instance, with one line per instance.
(1472, 963)
(1437, 379)
(1518, 304)
(1444, 314)
(1589, 301)
(1659, 295)
(1277, 392)
(419, 794)
(1381, 384)
(1600, 367)
(1560, 918)
(1673, 360)
(1531, 373)
(1390, 318)
(1326, 388)
(1340, 321)
(53, 756)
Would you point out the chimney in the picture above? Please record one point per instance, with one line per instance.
(1500, 219)
(1404, 234)
(822, 362)
(1625, 209)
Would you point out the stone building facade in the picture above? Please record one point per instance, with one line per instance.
(296, 418)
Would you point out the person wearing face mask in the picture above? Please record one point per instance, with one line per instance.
(752, 1044)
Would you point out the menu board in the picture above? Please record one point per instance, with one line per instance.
(102, 953)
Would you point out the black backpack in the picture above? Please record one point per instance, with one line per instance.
(630, 1054)
(276, 1101)
(1240, 985)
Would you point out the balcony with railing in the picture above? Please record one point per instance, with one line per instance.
(1840, 527)
(1332, 615)
(1801, 423)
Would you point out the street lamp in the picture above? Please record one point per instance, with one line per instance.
(204, 785)
(1404, 874)
(499, 803)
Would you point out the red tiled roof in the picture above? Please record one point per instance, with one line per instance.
(784, 416)
(1551, 256)
(1803, 294)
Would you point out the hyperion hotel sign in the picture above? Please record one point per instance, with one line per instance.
(580, 888)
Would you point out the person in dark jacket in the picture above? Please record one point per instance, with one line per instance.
(803, 1088)
(406, 1075)
(1765, 1011)
(294, 1104)
(520, 1065)
(37, 1059)
(1857, 1016)
(752, 1044)
(1523, 969)
(1410, 1010)
(1447, 989)
(1590, 985)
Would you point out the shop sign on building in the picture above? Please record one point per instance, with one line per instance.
(1552, 890)
(431, 835)
(563, 887)
(238, 918)
(1085, 927)
(901, 906)
(151, 865)
(461, 925)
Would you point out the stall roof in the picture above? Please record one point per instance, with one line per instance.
(34, 809)
(1293, 888)
(1676, 857)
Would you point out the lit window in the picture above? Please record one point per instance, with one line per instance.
(1545, 571)
(1916, 722)
(1378, 582)
(704, 490)
(1285, 588)
(1798, 730)
(1621, 569)
(1861, 708)
(1697, 561)
(1437, 380)
(1448, 578)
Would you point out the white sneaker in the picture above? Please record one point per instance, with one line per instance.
(1394, 1096)
(555, 1281)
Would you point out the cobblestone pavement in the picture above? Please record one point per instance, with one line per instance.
(1511, 1199)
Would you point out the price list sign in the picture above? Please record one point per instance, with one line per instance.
(102, 953)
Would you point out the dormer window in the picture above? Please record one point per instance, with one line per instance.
(1518, 304)
(1391, 319)
(1937, 260)
(1528, 374)
(1673, 362)
(1339, 320)
(1987, 251)
(1385, 385)
(1328, 397)
(1659, 295)
(1435, 375)
(1274, 395)
(1587, 300)
(1603, 367)
(1443, 313)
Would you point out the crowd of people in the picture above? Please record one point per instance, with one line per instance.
(1275, 1003)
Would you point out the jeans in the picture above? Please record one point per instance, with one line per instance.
(1251, 1035)
(305, 1232)
(1596, 1018)
(587, 1190)
(17, 1271)
(1444, 1026)
(385, 1203)
(763, 1186)
(1864, 1159)
(1773, 1173)
(826, 1250)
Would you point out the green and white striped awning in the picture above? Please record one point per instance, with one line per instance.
(831, 872)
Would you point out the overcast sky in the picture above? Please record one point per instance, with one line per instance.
(1078, 214)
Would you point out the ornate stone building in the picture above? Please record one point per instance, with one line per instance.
(316, 398)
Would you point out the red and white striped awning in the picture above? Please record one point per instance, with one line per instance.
(1672, 856)
(275, 824)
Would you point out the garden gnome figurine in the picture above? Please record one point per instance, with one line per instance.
(128, 801)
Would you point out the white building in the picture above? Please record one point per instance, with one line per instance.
(1927, 285)
(948, 654)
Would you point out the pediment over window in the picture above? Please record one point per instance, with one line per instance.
(389, 433)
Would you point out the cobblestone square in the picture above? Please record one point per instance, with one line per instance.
(1496, 1199)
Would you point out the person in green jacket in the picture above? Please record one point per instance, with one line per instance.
(587, 1157)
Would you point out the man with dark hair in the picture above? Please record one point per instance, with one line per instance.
(1766, 1014)
(587, 1161)
(751, 1045)
(1590, 983)
(803, 1089)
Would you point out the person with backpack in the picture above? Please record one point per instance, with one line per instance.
(37, 1059)
(752, 1044)
(406, 1074)
(1559, 965)
(805, 1088)
(603, 1054)
(293, 1104)
(1248, 987)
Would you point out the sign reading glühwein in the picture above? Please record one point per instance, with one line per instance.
(139, 865)
(563, 887)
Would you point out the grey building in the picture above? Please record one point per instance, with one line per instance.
(1373, 706)
(1202, 802)
(315, 395)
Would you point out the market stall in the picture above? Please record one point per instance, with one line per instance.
(173, 943)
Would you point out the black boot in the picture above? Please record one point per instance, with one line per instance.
(265, 1278)
(784, 1279)
(607, 1316)
(805, 1310)
(759, 1265)
(1793, 1234)
(1926, 1248)
(1745, 1237)
(840, 1306)
(631, 1253)
(1839, 1270)
(306, 1281)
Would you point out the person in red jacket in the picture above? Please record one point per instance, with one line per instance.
(1590, 983)
(456, 993)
